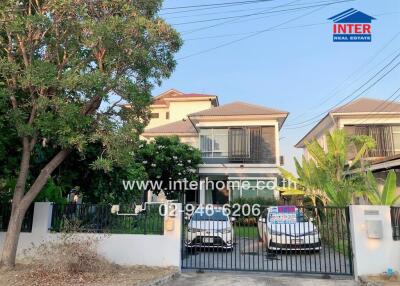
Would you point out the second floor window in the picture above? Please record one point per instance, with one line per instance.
(214, 142)
(239, 144)
(387, 138)
(396, 139)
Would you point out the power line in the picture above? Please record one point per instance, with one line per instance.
(349, 96)
(317, 118)
(221, 5)
(248, 33)
(360, 68)
(216, 4)
(255, 14)
(238, 10)
(283, 28)
(383, 105)
(252, 35)
(233, 21)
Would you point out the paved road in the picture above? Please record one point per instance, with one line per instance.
(250, 254)
(252, 279)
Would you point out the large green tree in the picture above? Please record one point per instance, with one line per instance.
(65, 66)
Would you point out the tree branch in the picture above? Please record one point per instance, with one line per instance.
(44, 175)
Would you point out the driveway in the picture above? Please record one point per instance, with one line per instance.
(250, 254)
(252, 279)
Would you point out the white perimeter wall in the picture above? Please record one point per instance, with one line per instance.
(123, 249)
(373, 256)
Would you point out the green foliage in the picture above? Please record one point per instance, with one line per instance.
(65, 69)
(252, 201)
(167, 159)
(325, 176)
(388, 194)
(51, 193)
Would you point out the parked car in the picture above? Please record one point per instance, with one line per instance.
(209, 228)
(298, 234)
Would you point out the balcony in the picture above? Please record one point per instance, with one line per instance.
(238, 145)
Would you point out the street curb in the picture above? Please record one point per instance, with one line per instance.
(163, 280)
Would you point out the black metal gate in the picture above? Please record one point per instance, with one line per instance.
(288, 239)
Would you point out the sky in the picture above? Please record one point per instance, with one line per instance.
(281, 55)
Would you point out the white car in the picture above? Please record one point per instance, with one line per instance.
(209, 228)
(298, 234)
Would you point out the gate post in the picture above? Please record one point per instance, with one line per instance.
(173, 229)
(373, 253)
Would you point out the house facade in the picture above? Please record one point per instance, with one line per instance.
(239, 143)
(174, 105)
(366, 116)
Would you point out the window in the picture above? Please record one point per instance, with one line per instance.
(396, 139)
(214, 142)
(154, 115)
(167, 115)
(239, 144)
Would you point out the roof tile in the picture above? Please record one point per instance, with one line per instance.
(238, 108)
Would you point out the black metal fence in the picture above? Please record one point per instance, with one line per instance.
(395, 216)
(98, 218)
(5, 214)
(251, 238)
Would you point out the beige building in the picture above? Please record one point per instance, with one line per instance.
(174, 105)
(365, 116)
(238, 141)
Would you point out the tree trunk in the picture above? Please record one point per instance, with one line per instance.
(19, 208)
(12, 237)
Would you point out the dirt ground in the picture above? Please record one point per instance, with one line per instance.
(121, 276)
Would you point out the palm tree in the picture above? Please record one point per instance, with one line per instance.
(326, 174)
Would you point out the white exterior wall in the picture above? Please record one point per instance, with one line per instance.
(367, 121)
(373, 256)
(124, 249)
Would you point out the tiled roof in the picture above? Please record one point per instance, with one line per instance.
(368, 105)
(178, 127)
(238, 108)
(361, 105)
(176, 94)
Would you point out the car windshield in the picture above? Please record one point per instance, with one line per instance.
(215, 215)
(300, 217)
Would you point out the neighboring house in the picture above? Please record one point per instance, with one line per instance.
(238, 141)
(174, 105)
(366, 116)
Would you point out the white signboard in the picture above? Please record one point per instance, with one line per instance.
(283, 215)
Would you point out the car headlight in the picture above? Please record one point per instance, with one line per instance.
(275, 232)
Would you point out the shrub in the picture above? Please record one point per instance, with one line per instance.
(252, 201)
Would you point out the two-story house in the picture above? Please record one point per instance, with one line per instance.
(174, 105)
(238, 142)
(365, 116)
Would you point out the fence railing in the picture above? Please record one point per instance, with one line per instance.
(5, 214)
(395, 216)
(98, 218)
